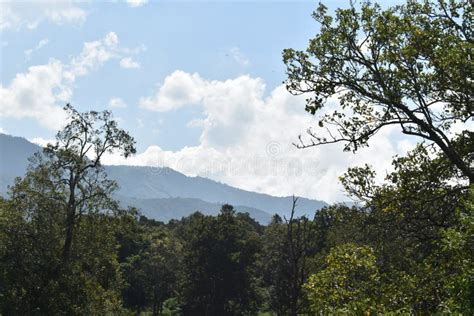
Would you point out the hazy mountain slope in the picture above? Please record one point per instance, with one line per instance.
(176, 208)
(14, 154)
(148, 182)
(155, 190)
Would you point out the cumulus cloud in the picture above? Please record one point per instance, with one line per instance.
(117, 103)
(129, 63)
(136, 3)
(36, 93)
(247, 135)
(179, 89)
(41, 91)
(18, 15)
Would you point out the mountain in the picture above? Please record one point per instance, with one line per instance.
(162, 193)
(177, 207)
(14, 154)
(150, 182)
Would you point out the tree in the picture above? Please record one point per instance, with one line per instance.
(408, 66)
(458, 270)
(348, 284)
(75, 161)
(219, 263)
(151, 270)
(406, 224)
(60, 254)
(338, 224)
(34, 279)
(420, 195)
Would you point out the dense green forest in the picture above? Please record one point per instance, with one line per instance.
(66, 247)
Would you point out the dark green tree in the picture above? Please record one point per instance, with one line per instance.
(60, 219)
(219, 264)
(151, 269)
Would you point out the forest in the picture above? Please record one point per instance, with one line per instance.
(68, 248)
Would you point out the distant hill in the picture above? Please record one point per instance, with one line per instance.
(148, 182)
(14, 154)
(162, 193)
(177, 207)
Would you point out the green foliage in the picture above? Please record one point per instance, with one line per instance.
(457, 270)
(59, 225)
(406, 222)
(287, 249)
(339, 224)
(347, 284)
(409, 249)
(151, 271)
(33, 278)
(219, 264)
(407, 66)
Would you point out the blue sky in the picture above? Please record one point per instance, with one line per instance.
(198, 84)
(201, 37)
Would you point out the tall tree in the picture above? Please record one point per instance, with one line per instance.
(75, 160)
(61, 246)
(408, 66)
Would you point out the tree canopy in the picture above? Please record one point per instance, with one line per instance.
(408, 66)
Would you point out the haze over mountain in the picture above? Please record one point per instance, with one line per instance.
(162, 193)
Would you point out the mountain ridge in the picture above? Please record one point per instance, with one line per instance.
(139, 186)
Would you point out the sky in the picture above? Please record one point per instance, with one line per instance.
(198, 84)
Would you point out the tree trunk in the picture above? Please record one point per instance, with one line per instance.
(155, 304)
(70, 217)
(69, 235)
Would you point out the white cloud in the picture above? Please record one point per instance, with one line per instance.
(95, 54)
(29, 14)
(136, 3)
(179, 89)
(41, 91)
(458, 127)
(117, 103)
(42, 141)
(129, 63)
(239, 57)
(38, 46)
(111, 39)
(36, 93)
(246, 139)
(135, 50)
(66, 15)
